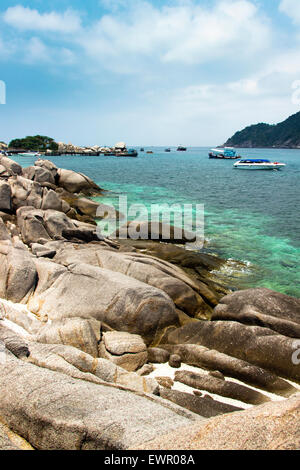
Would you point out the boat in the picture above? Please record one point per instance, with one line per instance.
(181, 149)
(127, 153)
(30, 154)
(227, 153)
(142, 149)
(149, 151)
(258, 164)
(167, 150)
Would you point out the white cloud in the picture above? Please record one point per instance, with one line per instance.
(291, 8)
(26, 19)
(185, 33)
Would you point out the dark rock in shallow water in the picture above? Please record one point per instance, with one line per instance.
(203, 406)
(220, 387)
(155, 231)
(262, 307)
(259, 346)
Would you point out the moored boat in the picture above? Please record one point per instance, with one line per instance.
(181, 149)
(227, 153)
(258, 164)
(167, 150)
(29, 154)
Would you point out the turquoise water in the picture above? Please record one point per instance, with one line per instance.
(250, 216)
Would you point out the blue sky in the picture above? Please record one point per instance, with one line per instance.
(147, 72)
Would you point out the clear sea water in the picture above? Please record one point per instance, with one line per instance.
(250, 216)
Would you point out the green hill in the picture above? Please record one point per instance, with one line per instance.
(286, 134)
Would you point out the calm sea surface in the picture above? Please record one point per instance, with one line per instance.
(250, 216)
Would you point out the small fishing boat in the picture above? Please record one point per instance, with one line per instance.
(128, 153)
(181, 149)
(149, 151)
(167, 150)
(142, 149)
(258, 164)
(227, 153)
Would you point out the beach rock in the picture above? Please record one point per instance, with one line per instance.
(11, 167)
(19, 315)
(210, 359)
(17, 272)
(203, 406)
(48, 166)
(77, 182)
(119, 301)
(51, 201)
(55, 412)
(11, 441)
(172, 280)
(165, 382)
(25, 193)
(78, 332)
(39, 174)
(158, 355)
(4, 233)
(41, 251)
(224, 388)
(259, 346)
(155, 231)
(31, 225)
(5, 196)
(217, 374)
(13, 342)
(272, 426)
(175, 361)
(145, 370)
(124, 349)
(262, 307)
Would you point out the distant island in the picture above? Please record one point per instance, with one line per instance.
(286, 134)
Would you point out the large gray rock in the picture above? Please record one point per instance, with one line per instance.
(210, 359)
(272, 426)
(124, 349)
(257, 345)
(224, 388)
(13, 342)
(51, 201)
(203, 406)
(172, 280)
(5, 196)
(262, 307)
(78, 332)
(32, 226)
(19, 316)
(47, 165)
(11, 441)
(39, 174)
(70, 361)
(76, 182)
(113, 298)
(11, 167)
(55, 412)
(26, 193)
(155, 231)
(17, 272)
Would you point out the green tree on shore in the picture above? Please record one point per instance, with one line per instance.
(37, 143)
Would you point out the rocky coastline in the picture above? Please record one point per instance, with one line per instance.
(87, 322)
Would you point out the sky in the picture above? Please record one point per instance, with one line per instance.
(147, 72)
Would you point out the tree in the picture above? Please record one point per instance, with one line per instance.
(37, 143)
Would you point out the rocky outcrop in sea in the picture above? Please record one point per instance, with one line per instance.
(126, 344)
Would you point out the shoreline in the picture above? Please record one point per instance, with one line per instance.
(89, 323)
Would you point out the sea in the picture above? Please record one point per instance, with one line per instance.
(251, 217)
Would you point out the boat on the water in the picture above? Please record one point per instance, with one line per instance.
(227, 153)
(167, 150)
(149, 151)
(127, 153)
(258, 164)
(142, 149)
(29, 154)
(181, 149)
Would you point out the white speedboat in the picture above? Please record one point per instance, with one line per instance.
(29, 154)
(258, 164)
